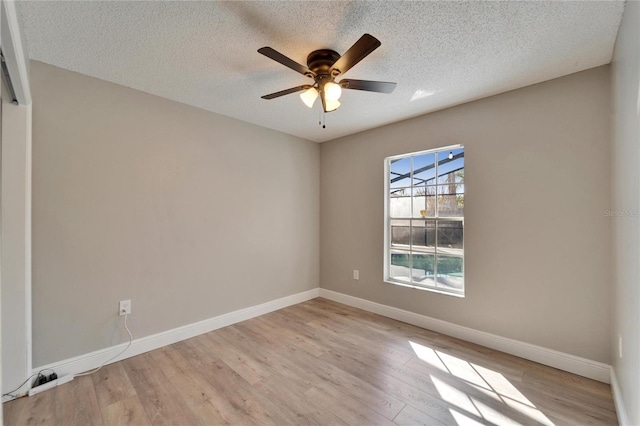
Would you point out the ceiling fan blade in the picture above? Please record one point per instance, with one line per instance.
(368, 85)
(365, 45)
(287, 91)
(287, 62)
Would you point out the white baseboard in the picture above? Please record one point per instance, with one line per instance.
(91, 360)
(621, 411)
(571, 363)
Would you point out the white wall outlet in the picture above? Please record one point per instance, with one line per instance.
(125, 307)
(620, 346)
(356, 274)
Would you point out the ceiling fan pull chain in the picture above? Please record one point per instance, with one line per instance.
(322, 118)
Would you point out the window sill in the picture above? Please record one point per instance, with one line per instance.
(431, 289)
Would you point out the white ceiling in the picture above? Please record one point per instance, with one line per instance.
(204, 53)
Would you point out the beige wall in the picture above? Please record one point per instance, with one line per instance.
(536, 237)
(191, 214)
(625, 162)
(187, 213)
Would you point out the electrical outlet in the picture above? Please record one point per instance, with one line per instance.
(356, 274)
(620, 346)
(125, 307)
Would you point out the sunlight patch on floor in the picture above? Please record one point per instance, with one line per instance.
(429, 356)
(467, 408)
(455, 396)
(463, 420)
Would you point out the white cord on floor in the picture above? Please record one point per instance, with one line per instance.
(86, 373)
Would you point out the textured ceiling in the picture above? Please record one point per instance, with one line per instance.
(204, 53)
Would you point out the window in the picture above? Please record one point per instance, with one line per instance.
(424, 217)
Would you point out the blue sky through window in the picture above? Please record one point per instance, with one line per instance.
(424, 168)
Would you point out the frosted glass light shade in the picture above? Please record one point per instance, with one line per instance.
(332, 91)
(309, 96)
(331, 105)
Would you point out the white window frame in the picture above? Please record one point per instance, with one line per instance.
(388, 219)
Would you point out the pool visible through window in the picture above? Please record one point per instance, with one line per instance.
(424, 216)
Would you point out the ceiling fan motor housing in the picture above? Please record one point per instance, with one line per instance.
(321, 61)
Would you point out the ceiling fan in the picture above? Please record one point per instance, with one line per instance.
(324, 66)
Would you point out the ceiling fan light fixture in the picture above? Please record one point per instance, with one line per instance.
(309, 96)
(331, 105)
(323, 67)
(332, 91)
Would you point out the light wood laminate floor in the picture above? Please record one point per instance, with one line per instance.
(321, 363)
